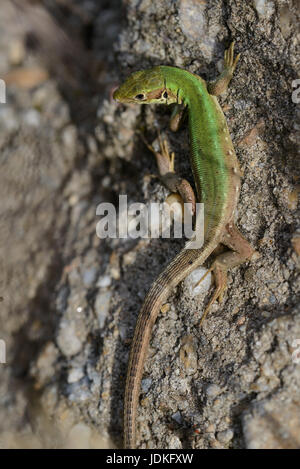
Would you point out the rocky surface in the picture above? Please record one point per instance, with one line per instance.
(70, 299)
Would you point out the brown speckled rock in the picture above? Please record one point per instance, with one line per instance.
(70, 300)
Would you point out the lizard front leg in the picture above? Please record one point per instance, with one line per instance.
(220, 85)
(178, 116)
(167, 174)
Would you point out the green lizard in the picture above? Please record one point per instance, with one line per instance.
(217, 177)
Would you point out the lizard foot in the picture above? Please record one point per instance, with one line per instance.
(220, 274)
(230, 62)
(166, 167)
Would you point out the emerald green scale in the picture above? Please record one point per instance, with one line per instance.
(207, 129)
(208, 162)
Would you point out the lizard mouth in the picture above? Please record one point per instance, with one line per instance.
(117, 96)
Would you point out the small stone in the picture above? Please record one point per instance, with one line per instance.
(114, 266)
(40, 97)
(129, 258)
(264, 8)
(89, 276)
(102, 305)
(225, 436)
(177, 417)
(69, 136)
(174, 442)
(286, 19)
(213, 390)
(211, 428)
(165, 308)
(216, 444)
(104, 281)
(67, 339)
(292, 198)
(144, 402)
(188, 354)
(16, 52)
(106, 181)
(78, 392)
(8, 119)
(92, 144)
(32, 118)
(192, 18)
(45, 365)
(75, 375)
(146, 383)
(192, 281)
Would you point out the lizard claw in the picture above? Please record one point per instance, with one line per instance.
(229, 61)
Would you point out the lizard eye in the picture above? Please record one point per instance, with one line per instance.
(165, 95)
(140, 96)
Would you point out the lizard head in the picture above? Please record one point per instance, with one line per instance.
(145, 87)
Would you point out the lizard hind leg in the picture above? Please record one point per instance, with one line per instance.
(241, 252)
(220, 274)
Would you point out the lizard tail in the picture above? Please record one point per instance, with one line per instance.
(184, 263)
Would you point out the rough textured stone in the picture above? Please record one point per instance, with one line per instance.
(70, 300)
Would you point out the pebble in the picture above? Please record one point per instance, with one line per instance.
(129, 258)
(102, 305)
(78, 392)
(8, 119)
(104, 281)
(213, 390)
(146, 383)
(69, 136)
(286, 19)
(16, 52)
(67, 339)
(225, 436)
(75, 375)
(192, 18)
(174, 443)
(188, 354)
(32, 118)
(177, 417)
(193, 278)
(264, 8)
(89, 276)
